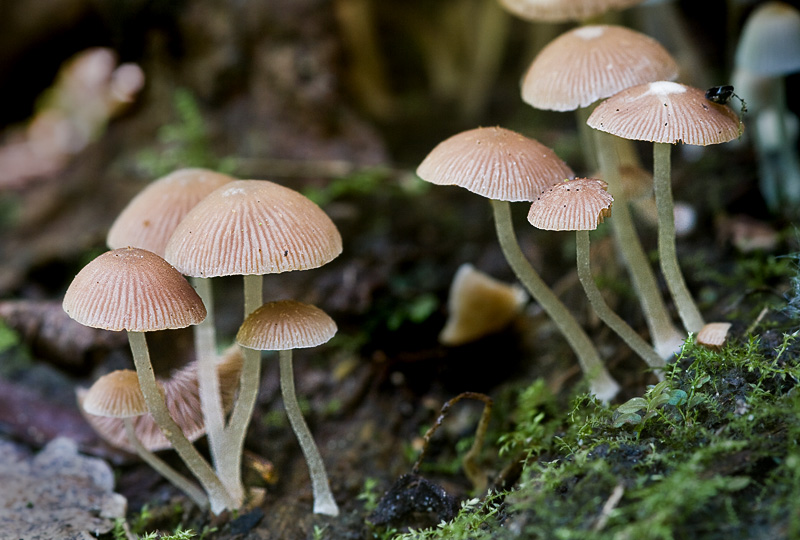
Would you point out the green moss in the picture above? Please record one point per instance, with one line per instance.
(711, 452)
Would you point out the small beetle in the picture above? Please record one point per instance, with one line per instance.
(722, 95)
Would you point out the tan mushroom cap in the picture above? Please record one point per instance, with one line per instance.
(593, 62)
(666, 112)
(285, 324)
(149, 219)
(116, 395)
(132, 289)
(713, 335)
(182, 396)
(253, 227)
(563, 10)
(576, 205)
(494, 162)
(479, 305)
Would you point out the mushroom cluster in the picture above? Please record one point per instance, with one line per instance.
(201, 224)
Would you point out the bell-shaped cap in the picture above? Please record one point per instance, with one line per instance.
(116, 395)
(770, 42)
(577, 205)
(253, 227)
(666, 112)
(132, 289)
(285, 324)
(149, 219)
(593, 62)
(494, 162)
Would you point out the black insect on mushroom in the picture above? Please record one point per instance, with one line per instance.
(723, 94)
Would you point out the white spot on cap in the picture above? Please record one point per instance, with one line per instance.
(590, 32)
(663, 88)
(233, 191)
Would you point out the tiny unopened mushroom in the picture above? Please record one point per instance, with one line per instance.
(118, 395)
(137, 291)
(479, 305)
(580, 205)
(282, 326)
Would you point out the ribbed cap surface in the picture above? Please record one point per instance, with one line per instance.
(182, 397)
(563, 10)
(494, 162)
(593, 62)
(132, 289)
(713, 335)
(577, 205)
(285, 324)
(150, 218)
(116, 394)
(253, 227)
(666, 112)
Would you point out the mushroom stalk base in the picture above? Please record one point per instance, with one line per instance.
(162, 468)
(601, 384)
(324, 502)
(667, 252)
(218, 496)
(606, 314)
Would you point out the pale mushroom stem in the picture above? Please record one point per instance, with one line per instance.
(162, 468)
(606, 314)
(601, 384)
(666, 338)
(231, 467)
(218, 496)
(205, 344)
(324, 502)
(689, 314)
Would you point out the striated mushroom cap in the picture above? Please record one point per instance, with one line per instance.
(253, 227)
(576, 205)
(494, 162)
(132, 289)
(563, 10)
(285, 324)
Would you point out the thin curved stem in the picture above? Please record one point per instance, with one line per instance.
(667, 253)
(606, 314)
(218, 496)
(666, 337)
(324, 502)
(245, 404)
(162, 468)
(601, 383)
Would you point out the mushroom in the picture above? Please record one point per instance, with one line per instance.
(571, 73)
(250, 228)
(118, 395)
(504, 166)
(667, 113)
(479, 305)
(182, 397)
(768, 51)
(147, 222)
(283, 326)
(136, 290)
(580, 205)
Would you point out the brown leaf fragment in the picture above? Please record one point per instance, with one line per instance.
(51, 335)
